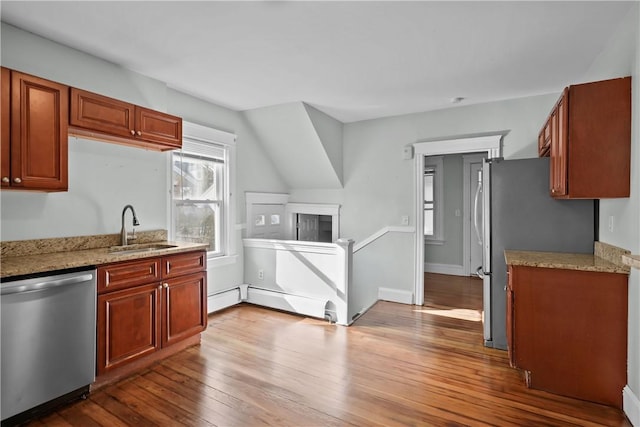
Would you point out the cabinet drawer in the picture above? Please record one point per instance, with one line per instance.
(177, 265)
(126, 274)
(101, 114)
(159, 127)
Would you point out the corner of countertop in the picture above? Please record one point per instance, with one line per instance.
(611, 253)
(632, 261)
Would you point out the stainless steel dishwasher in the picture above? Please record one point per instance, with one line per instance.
(48, 336)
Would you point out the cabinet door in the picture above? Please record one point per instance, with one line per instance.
(5, 142)
(39, 133)
(184, 307)
(559, 147)
(158, 127)
(128, 326)
(102, 114)
(127, 274)
(180, 264)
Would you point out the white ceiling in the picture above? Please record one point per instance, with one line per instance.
(353, 60)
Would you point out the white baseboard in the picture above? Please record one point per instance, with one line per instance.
(631, 406)
(360, 313)
(288, 302)
(222, 300)
(395, 295)
(452, 269)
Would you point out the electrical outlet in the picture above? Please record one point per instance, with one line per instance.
(611, 223)
(457, 212)
(261, 274)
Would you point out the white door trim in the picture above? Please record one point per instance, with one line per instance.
(467, 159)
(490, 144)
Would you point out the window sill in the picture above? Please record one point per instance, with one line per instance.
(436, 242)
(219, 261)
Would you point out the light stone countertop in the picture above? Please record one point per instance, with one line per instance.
(632, 260)
(567, 261)
(41, 258)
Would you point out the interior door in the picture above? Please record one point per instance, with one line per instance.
(308, 227)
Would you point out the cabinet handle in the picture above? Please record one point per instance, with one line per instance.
(165, 285)
(138, 133)
(17, 180)
(5, 179)
(133, 132)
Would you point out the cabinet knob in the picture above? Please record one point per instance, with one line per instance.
(5, 179)
(160, 287)
(138, 133)
(17, 180)
(165, 285)
(133, 132)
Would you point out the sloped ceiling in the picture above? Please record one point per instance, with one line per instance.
(303, 143)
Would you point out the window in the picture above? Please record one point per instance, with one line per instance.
(433, 200)
(200, 194)
(429, 225)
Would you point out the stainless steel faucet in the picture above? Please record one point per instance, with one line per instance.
(123, 231)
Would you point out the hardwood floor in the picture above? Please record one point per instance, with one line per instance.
(398, 365)
(453, 291)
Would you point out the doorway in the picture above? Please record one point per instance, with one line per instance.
(491, 147)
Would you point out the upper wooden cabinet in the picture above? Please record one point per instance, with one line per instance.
(34, 148)
(100, 117)
(590, 141)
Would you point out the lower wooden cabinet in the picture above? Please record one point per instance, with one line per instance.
(136, 321)
(567, 330)
(184, 311)
(128, 325)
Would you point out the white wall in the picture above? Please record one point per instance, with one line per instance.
(103, 177)
(621, 57)
(379, 183)
(450, 252)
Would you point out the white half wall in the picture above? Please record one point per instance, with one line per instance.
(309, 270)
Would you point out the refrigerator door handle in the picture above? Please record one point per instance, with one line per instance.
(486, 217)
(476, 200)
(486, 252)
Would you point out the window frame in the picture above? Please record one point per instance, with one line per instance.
(194, 135)
(436, 163)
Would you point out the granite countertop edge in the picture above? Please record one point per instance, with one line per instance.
(41, 263)
(562, 260)
(632, 260)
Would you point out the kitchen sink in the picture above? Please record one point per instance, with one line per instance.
(143, 247)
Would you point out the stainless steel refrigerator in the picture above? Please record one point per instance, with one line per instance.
(521, 215)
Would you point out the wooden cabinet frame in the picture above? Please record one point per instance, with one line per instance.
(590, 141)
(34, 133)
(100, 117)
(140, 312)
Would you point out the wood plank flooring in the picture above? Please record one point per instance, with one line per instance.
(398, 365)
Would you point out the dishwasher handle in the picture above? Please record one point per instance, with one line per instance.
(44, 285)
